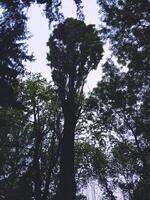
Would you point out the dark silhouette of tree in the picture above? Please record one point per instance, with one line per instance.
(118, 108)
(13, 50)
(30, 145)
(39, 154)
(127, 27)
(75, 49)
(126, 24)
(29, 140)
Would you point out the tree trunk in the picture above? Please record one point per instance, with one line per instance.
(67, 188)
(54, 158)
(36, 163)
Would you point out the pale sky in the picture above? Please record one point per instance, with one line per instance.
(38, 27)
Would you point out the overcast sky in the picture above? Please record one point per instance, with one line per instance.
(38, 27)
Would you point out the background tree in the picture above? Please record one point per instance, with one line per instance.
(13, 49)
(75, 49)
(29, 142)
(30, 145)
(126, 25)
(116, 117)
(13, 34)
(120, 113)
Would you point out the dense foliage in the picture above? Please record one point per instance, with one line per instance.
(54, 140)
(75, 49)
(13, 51)
(13, 34)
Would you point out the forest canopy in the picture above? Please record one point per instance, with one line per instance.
(55, 140)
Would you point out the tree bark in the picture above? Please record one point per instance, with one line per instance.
(67, 188)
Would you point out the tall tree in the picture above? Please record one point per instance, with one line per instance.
(13, 33)
(13, 50)
(120, 111)
(29, 142)
(75, 49)
(126, 24)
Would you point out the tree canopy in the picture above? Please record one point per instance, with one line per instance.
(13, 33)
(55, 140)
(75, 49)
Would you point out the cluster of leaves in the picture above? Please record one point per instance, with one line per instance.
(12, 48)
(120, 113)
(116, 115)
(126, 24)
(29, 142)
(13, 33)
(119, 106)
(75, 49)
